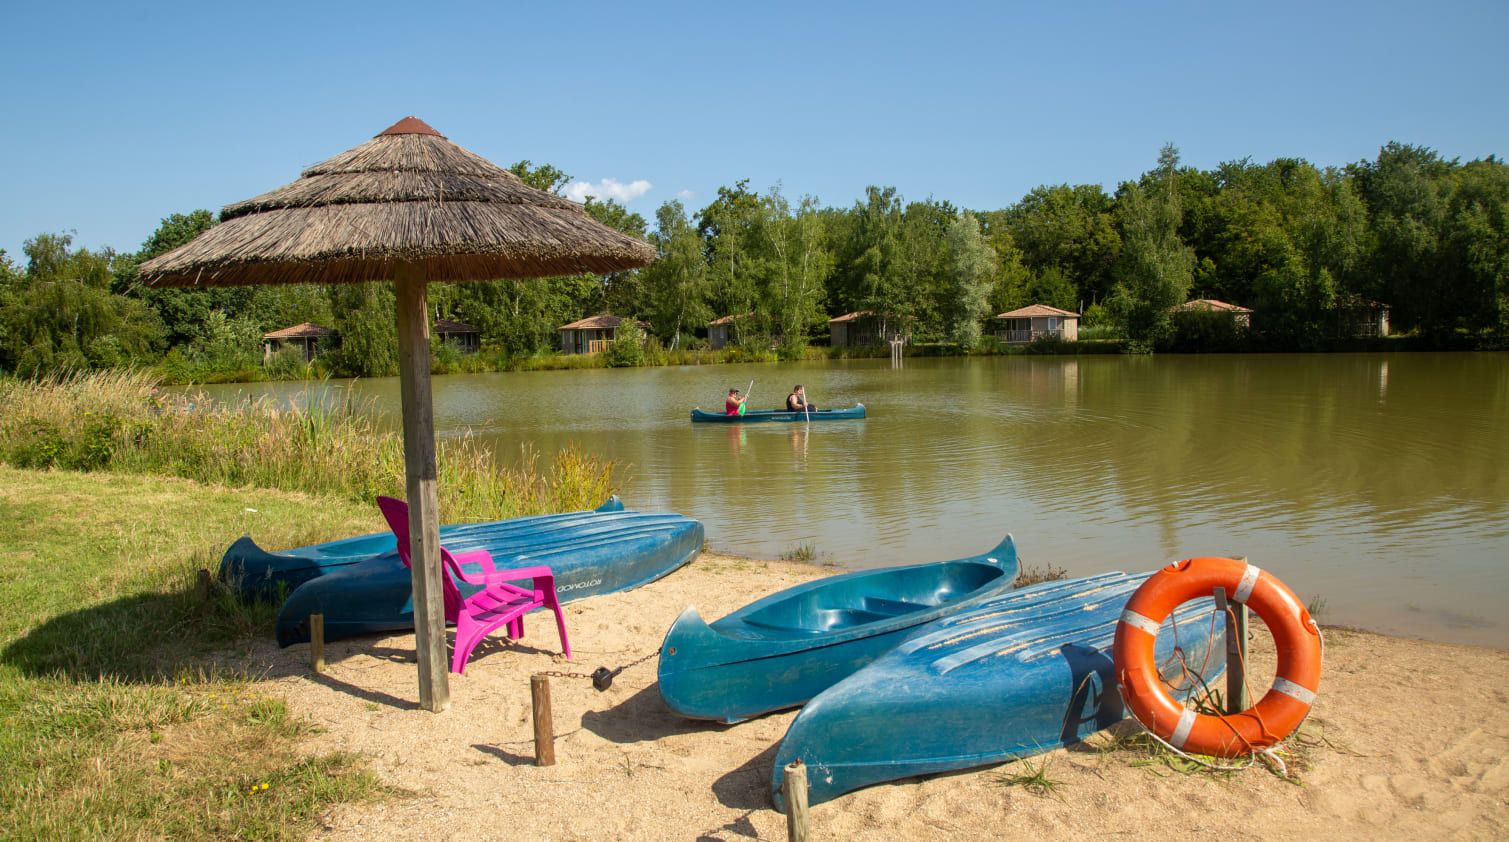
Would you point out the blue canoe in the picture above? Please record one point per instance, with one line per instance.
(590, 554)
(256, 573)
(1020, 674)
(751, 416)
(788, 647)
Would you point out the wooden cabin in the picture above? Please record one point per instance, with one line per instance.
(1362, 318)
(465, 338)
(1037, 321)
(724, 331)
(309, 337)
(864, 327)
(1240, 316)
(592, 335)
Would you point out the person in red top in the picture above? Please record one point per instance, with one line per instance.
(734, 402)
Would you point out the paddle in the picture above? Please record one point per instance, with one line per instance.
(747, 392)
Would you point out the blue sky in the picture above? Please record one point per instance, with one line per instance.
(120, 114)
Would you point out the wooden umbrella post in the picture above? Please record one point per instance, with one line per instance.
(419, 471)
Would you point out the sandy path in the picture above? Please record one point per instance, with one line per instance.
(1417, 744)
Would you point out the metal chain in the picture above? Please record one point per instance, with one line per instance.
(602, 677)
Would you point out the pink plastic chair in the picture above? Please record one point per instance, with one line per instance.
(497, 604)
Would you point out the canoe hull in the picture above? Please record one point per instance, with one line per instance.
(782, 650)
(609, 552)
(258, 574)
(1021, 674)
(755, 416)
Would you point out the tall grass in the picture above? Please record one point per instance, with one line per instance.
(118, 421)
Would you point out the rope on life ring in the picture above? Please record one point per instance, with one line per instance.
(1268, 722)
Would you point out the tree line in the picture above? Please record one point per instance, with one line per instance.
(1298, 244)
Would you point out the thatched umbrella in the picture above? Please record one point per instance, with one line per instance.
(411, 207)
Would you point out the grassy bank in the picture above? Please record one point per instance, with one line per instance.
(117, 421)
(124, 711)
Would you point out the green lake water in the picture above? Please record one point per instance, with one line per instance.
(1375, 482)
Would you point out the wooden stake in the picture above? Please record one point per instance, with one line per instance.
(794, 788)
(419, 473)
(1234, 619)
(317, 642)
(202, 585)
(544, 727)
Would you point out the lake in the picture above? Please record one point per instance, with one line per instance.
(1374, 483)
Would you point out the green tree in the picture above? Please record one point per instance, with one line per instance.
(676, 283)
(971, 276)
(726, 226)
(1156, 267)
(365, 319)
(1072, 228)
(60, 312)
(798, 264)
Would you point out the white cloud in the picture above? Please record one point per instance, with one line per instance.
(685, 195)
(608, 188)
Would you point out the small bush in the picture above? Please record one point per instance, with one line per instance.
(628, 350)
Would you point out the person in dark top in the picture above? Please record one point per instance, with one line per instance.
(797, 400)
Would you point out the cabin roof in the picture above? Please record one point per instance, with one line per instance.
(1210, 305)
(602, 321)
(305, 330)
(1037, 310)
(444, 326)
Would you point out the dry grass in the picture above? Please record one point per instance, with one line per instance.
(117, 421)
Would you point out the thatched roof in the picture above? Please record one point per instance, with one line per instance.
(1037, 310)
(408, 195)
(302, 330)
(851, 317)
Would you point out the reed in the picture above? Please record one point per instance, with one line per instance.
(119, 421)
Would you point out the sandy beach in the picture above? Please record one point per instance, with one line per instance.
(1407, 740)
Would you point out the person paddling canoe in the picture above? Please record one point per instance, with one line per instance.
(735, 404)
(797, 400)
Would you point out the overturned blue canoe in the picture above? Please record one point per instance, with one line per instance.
(590, 554)
(751, 416)
(255, 573)
(788, 647)
(1022, 673)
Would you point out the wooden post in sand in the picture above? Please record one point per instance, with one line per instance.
(544, 727)
(317, 642)
(794, 788)
(1234, 617)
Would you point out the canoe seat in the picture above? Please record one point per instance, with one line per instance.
(894, 607)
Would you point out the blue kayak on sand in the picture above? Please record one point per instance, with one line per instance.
(255, 573)
(591, 554)
(788, 647)
(1020, 674)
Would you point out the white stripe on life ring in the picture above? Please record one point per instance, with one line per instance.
(1181, 733)
(1294, 691)
(1137, 621)
(1249, 581)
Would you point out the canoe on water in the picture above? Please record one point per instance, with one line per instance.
(752, 416)
(788, 647)
(256, 573)
(590, 554)
(1022, 673)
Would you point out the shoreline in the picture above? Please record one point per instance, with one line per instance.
(627, 768)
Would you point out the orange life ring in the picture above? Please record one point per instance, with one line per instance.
(1282, 708)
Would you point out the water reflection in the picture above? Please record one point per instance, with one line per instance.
(1375, 482)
